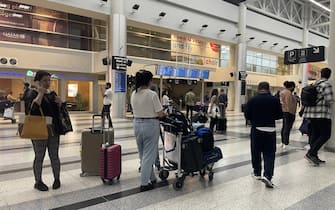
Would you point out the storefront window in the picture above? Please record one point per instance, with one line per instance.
(262, 63)
(78, 95)
(224, 56)
(41, 26)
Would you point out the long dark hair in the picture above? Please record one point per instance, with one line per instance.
(142, 78)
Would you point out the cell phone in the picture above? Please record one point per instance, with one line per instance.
(37, 84)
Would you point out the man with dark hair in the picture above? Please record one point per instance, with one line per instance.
(289, 107)
(107, 105)
(320, 117)
(190, 102)
(263, 110)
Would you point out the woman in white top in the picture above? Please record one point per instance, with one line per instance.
(147, 109)
(213, 112)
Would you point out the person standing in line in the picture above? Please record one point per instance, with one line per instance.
(25, 96)
(147, 110)
(213, 112)
(10, 97)
(263, 110)
(289, 107)
(165, 101)
(107, 102)
(297, 98)
(50, 104)
(190, 102)
(320, 117)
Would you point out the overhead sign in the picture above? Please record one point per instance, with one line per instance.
(182, 72)
(119, 63)
(304, 55)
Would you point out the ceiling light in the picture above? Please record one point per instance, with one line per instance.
(222, 30)
(17, 15)
(264, 41)
(136, 7)
(203, 27)
(320, 5)
(251, 38)
(275, 44)
(184, 21)
(286, 46)
(162, 14)
(25, 7)
(237, 35)
(3, 5)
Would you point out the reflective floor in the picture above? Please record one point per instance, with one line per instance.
(298, 184)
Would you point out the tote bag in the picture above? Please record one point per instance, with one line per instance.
(35, 127)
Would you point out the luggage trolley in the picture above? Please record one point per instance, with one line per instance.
(7, 110)
(173, 147)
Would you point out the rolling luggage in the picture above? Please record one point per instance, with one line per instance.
(110, 162)
(191, 154)
(212, 156)
(207, 139)
(221, 126)
(91, 141)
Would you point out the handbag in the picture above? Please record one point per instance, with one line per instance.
(34, 127)
(65, 121)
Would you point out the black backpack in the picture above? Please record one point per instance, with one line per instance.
(309, 95)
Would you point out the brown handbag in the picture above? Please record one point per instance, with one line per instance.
(34, 127)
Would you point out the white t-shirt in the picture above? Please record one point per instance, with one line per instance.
(108, 96)
(145, 103)
(165, 100)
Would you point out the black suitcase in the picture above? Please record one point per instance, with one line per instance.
(191, 154)
(221, 125)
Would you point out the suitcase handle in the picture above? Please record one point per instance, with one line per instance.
(93, 130)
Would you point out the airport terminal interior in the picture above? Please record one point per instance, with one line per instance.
(208, 47)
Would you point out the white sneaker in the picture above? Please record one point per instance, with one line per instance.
(280, 145)
(283, 146)
(268, 183)
(256, 177)
(307, 147)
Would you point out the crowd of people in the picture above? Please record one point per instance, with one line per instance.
(264, 109)
(261, 110)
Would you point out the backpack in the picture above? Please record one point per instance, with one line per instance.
(309, 95)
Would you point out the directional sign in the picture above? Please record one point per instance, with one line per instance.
(304, 55)
(119, 63)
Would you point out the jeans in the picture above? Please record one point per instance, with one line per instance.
(106, 113)
(263, 143)
(147, 136)
(321, 131)
(40, 147)
(189, 109)
(288, 120)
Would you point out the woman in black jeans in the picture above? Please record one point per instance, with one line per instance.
(50, 104)
(213, 112)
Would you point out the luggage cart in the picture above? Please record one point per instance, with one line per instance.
(172, 156)
(7, 110)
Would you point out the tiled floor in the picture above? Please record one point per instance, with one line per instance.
(299, 185)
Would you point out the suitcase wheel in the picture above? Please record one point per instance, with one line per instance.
(178, 184)
(163, 174)
(83, 174)
(118, 178)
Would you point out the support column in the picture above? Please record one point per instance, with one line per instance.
(63, 89)
(202, 90)
(117, 47)
(331, 62)
(307, 17)
(241, 59)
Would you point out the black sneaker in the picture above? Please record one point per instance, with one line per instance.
(148, 187)
(56, 184)
(320, 161)
(268, 182)
(313, 160)
(41, 186)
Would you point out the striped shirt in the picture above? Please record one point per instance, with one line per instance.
(325, 98)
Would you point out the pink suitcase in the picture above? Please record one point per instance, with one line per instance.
(110, 163)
